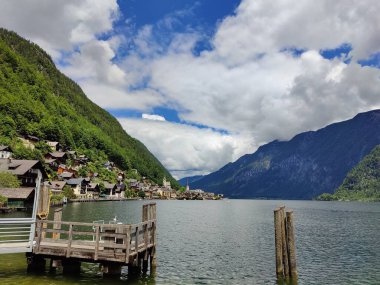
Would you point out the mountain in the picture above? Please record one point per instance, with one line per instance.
(309, 164)
(37, 99)
(189, 180)
(362, 182)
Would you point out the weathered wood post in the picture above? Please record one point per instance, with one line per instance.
(145, 210)
(278, 242)
(57, 218)
(285, 244)
(291, 244)
(153, 254)
(43, 206)
(145, 218)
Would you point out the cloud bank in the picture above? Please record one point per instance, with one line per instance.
(263, 77)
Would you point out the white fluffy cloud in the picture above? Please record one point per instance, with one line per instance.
(187, 150)
(261, 26)
(247, 84)
(58, 25)
(153, 117)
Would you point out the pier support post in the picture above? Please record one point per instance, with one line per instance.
(35, 263)
(133, 268)
(54, 264)
(71, 266)
(111, 269)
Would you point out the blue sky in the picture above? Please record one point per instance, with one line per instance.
(202, 83)
(201, 16)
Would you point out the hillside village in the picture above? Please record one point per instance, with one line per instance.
(72, 176)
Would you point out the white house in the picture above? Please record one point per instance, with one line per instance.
(5, 151)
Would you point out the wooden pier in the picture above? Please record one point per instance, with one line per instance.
(111, 245)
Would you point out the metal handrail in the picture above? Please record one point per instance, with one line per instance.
(21, 227)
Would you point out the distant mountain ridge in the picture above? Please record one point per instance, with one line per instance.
(309, 164)
(189, 179)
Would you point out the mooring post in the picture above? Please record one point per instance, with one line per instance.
(284, 243)
(145, 213)
(278, 243)
(291, 244)
(57, 218)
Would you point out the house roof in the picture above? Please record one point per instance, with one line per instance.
(121, 187)
(4, 148)
(49, 160)
(109, 185)
(16, 193)
(66, 174)
(49, 143)
(18, 167)
(57, 154)
(75, 181)
(57, 185)
(33, 138)
(93, 185)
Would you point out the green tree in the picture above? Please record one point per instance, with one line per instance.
(141, 194)
(3, 200)
(129, 193)
(68, 192)
(8, 180)
(102, 187)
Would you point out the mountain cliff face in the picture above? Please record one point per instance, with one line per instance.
(190, 179)
(37, 99)
(309, 164)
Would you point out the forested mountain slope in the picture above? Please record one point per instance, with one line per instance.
(362, 182)
(37, 99)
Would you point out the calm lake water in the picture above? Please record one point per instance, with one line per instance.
(232, 242)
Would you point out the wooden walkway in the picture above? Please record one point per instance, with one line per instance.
(94, 242)
(111, 245)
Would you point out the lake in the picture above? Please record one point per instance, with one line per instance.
(232, 242)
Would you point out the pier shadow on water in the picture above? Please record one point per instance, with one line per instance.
(13, 271)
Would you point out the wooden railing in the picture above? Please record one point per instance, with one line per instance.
(105, 243)
(109, 242)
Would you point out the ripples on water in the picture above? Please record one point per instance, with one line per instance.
(231, 242)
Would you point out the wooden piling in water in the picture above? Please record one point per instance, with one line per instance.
(285, 244)
(291, 244)
(278, 242)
